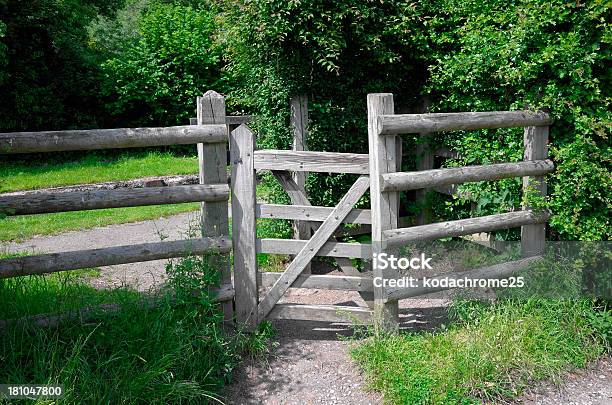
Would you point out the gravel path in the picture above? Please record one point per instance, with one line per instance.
(311, 363)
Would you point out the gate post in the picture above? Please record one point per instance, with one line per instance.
(536, 148)
(242, 147)
(212, 159)
(385, 205)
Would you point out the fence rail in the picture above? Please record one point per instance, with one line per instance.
(403, 181)
(466, 121)
(91, 139)
(309, 161)
(90, 258)
(41, 203)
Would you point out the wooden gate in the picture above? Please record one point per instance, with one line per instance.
(322, 221)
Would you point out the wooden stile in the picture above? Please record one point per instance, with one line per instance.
(242, 145)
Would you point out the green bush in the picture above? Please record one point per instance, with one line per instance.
(166, 59)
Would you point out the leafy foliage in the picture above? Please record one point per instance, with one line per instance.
(167, 60)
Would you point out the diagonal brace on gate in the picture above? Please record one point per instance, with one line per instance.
(313, 246)
(298, 196)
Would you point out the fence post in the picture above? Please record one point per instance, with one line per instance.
(242, 147)
(212, 159)
(385, 205)
(299, 127)
(536, 148)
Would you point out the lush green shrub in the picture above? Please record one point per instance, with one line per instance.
(166, 59)
(495, 55)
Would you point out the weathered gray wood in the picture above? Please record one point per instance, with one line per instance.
(213, 170)
(461, 227)
(90, 139)
(457, 175)
(80, 259)
(346, 283)
(424, 161)
(312, 246)
(309, 213)
(298, 197)
(242, 145)
(41, 203)
(536, 147)
(322, 313)
(308, 161)
(238, 119)
(90, 313)
(389, 124)
(331, 249)
(496, 271)
(385, 205)
(299, 127)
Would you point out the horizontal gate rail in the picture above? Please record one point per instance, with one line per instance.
(461, 227)
(497, 271)
(308, 161)
(401, 181)
(41, 203)
(322, 313)
(348, 283)
(309, 213)
(330, 249)
(464, 121)
(81, 259)
(90, 139)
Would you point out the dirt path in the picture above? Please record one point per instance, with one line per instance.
(311, 363)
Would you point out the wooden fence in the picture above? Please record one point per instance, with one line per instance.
(379, 171)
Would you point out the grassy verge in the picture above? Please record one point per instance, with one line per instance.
(91, 168)
(23, 227)
(492, 352)
(170, 354)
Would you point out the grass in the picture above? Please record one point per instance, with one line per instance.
(23, 227)
(172, 354)
(91, 168)
(492, 352)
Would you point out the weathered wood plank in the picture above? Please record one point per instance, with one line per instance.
(80, 259)
(389, 124)
(41, 203)
(461, 227)
(536, 147)
(238, 119)
(497, 271)
(322, 313)
(312, 246)
(212, 159)
(299, 127)
(90, 139)
(242, 145)
(347, 283)
(309, 213)
(456, 175)
(308, 161)
(385, 205)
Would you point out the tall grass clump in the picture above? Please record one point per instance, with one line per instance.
(176, 351)
(492, 351)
